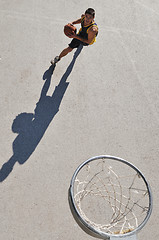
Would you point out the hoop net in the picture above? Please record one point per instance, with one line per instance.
(111, 196)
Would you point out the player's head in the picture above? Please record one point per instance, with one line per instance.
(90, 11)
(89, 15)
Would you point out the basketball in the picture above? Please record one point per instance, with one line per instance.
(69, 29)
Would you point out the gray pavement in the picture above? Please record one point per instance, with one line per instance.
(103, 101)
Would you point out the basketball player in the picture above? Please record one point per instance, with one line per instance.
(86, 35)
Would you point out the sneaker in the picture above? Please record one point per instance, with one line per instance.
(56, 59)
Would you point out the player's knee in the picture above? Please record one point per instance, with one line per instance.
(70, 49)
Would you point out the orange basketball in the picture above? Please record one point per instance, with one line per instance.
(69, 29)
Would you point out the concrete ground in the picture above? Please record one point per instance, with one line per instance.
(103, 101)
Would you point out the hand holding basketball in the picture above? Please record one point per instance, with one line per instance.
(69, 30)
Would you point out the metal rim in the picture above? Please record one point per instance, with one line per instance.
(87, 228)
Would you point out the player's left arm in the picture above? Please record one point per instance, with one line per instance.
(91, 34)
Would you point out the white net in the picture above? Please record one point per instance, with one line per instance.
(111, 196)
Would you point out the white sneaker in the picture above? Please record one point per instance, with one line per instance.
(56, 59)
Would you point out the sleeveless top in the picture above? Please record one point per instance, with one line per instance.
(83, 32)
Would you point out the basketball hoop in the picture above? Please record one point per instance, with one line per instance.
(110, 198)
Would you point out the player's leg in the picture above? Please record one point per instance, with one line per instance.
(74, 44)
(62, 54)
(65, 52)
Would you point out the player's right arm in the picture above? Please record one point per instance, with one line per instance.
(78, 20)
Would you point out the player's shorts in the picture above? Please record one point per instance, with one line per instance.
(75, 43)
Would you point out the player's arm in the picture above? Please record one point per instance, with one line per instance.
(91, 34)
(78, 20)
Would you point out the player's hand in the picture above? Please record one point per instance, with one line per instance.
(73, 35)
(71, 24)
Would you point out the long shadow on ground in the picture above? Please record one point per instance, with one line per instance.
(31, 127)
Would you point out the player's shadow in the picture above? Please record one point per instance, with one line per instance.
(31, 127)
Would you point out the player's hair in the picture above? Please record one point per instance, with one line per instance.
(90, 11)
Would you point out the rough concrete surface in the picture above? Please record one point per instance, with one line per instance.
(103, 101)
